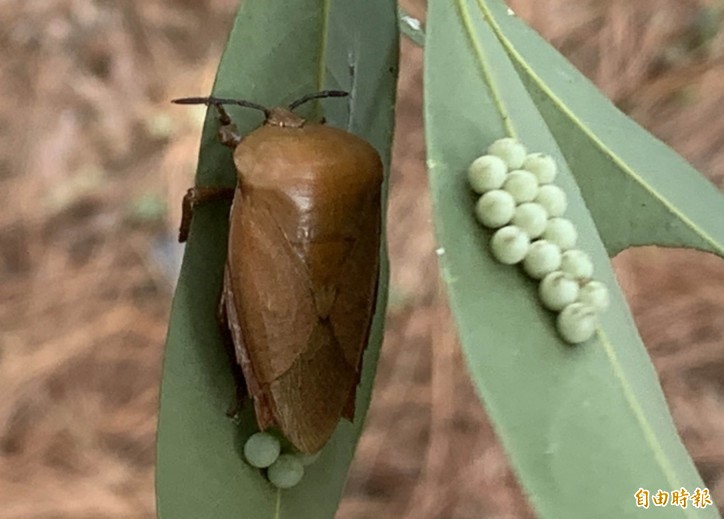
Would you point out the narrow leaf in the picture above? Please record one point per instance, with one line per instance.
(585, 427)
(277, 51)
(639, 190)
(411, 27)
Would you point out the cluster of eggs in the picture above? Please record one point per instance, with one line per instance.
(283, 470)
(520, 201)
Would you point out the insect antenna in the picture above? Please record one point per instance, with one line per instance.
(218, 102)
(317, 95)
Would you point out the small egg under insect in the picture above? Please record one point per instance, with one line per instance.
(577, 323)
(510, 150)
(558, 290)
(577, 263)
(286, 471)
(553, 199)
(562, 232)
(522, 185)
(487, 173)
(495, 208)
(531, 217)
(509, 245)
(261, 450)
(542, 166)
(595, 294)
(543, 258)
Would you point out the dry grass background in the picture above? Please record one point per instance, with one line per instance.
(91, 152)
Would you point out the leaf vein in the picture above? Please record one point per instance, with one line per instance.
(485, 68)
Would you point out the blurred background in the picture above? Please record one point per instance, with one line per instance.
(94, 161)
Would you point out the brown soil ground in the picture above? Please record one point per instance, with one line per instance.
(93, 162)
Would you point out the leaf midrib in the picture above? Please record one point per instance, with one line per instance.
(323, 44)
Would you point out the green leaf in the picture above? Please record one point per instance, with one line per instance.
(277, 51)
(639, 190)
(411, 28)
(585, 427)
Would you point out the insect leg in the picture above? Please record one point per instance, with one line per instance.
(228, 133)
(196, 196)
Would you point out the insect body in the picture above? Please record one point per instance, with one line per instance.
(302, 267)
